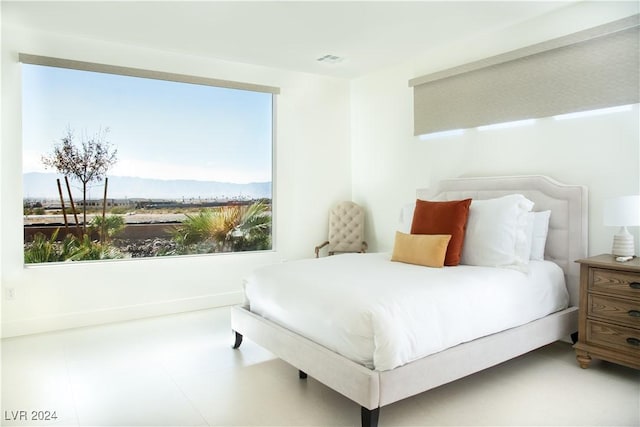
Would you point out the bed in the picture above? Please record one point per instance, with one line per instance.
(378, 381)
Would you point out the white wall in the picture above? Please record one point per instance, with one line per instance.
(389, 163)
(309, 179)
(370, 117)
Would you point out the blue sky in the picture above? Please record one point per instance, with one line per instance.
(163, 130)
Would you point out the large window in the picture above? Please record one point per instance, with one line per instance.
(121, 166)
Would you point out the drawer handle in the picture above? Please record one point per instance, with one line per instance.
(633, 341)
(634, 313)
(634, 285)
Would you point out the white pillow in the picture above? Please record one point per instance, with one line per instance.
(539, 236)
(406, 218)
(523, 248)
(496, 232)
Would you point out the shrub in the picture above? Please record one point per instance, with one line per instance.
(70, 248)
(225, 229)
(108, 226)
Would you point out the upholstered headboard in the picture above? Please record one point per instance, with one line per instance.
(568, 226)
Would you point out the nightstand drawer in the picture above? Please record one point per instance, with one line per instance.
(615, 282)
(625, 312)
(621, 338)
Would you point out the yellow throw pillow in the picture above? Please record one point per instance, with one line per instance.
(421, 249)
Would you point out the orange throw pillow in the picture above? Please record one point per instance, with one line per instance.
(443, 218)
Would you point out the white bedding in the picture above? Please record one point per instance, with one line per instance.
(384, 314)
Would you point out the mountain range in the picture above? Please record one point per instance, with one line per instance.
(43, 186)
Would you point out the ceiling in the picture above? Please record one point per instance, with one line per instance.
(289, 35)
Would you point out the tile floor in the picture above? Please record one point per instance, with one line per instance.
(179, 370)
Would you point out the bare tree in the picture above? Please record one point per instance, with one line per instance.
(87, 162)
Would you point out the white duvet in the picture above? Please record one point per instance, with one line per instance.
(384, 314)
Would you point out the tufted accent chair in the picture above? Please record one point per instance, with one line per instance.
(346, 229)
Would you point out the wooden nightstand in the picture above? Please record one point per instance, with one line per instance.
(609, 322)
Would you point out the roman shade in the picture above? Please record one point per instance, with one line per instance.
(138, 72)
(591, 69)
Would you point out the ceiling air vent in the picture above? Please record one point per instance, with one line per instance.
(330, 59)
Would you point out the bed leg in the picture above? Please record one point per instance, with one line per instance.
(369, 417)
(238, 340)
(302, 375)
(574, 337)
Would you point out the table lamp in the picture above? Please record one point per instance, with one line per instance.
(623, 212)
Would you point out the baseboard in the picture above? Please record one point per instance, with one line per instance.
(117, 314)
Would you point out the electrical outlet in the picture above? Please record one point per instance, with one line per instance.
(10, 293)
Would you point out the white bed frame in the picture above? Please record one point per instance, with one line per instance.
(566, 242)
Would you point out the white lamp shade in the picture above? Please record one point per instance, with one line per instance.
(622, 211)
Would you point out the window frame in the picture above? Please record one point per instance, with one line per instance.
(26, 58)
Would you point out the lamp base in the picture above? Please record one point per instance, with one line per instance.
(623, 243)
